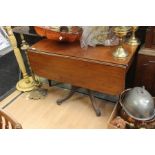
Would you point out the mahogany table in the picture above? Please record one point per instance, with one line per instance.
(93, 68)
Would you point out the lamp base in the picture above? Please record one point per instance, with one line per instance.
(133, 41)
(120, 52)
(25, 86)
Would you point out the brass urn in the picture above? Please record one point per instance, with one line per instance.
(121, 32)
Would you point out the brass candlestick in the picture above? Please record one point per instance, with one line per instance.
(133, 40)
(27, 83)
(120, 31)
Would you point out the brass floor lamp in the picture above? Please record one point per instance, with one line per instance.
(26, 83)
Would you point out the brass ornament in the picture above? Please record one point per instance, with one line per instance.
(133, 40)
(121, 32)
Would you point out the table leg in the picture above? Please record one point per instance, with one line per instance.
(92, 98)
(51, 85)
(71, 93)
(90, 93)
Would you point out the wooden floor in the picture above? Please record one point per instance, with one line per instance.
(77, 112)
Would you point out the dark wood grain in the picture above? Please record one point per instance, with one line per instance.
(150, 37)
(145, 71)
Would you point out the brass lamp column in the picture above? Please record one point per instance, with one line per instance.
(27, 83)
(24, 47)
(37, 92)
(133, 40)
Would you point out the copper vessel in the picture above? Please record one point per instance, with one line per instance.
(139, 121)
(60, 33)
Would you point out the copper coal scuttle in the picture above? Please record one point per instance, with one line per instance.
(137, 109)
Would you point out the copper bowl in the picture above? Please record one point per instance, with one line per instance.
(61, 33)
(134, 119)
(134, 122)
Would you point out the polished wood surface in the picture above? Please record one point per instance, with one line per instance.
(94, 68)
(99, 77)
(100, 53)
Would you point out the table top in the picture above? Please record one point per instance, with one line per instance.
(98, 53)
